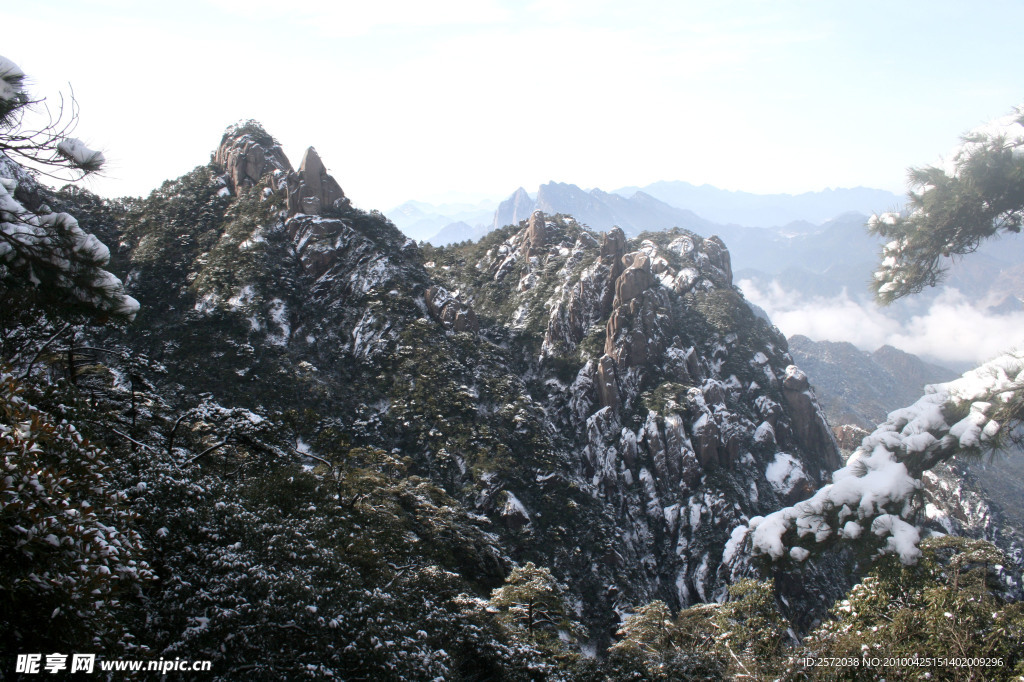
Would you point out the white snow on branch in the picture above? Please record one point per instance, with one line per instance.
(1007, 129)
(78, 153)
(11, 79)
(56, 240)
(876, 487)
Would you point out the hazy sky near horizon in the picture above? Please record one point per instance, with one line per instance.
(413, 100)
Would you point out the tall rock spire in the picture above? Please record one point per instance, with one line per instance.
(312, 189)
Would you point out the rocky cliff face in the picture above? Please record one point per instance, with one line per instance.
(513, 210)
(674, 406)
(608, 407)
(246, 153)
(312, 189)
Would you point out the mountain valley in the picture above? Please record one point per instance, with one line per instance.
(342, 450)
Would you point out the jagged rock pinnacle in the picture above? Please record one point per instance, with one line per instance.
(535, 233)
(449, 311)
(247, 152)
(312, 189)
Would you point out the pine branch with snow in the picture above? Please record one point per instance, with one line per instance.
(46, 258)
(41, 138)
(976, 193)
(874, 497)
(12, 93)
(76, 151)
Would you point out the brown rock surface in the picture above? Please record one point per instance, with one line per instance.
(718, 255)
(246, 160)
(312, 189)
(809, 426)
(449, 311)
(634, 280)
(536, 232)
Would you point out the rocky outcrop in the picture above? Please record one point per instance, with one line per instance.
(719, 259)
(449, 311)
(809, 425)
(613, 248)
(535, 234)
(848, 437)
(634, 280)
(247, 153)
(513, 513)
(607, 383)
(312, 189)
(514, 210)
(665, 386)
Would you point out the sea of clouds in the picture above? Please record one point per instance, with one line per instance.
(950, 330)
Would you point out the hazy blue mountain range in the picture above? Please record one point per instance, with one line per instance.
(767, 210)
(840, 255)
(661, 205)
(424, 221)
(805, 255)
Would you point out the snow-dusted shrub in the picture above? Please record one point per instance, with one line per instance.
(68, 552)
(947, 605)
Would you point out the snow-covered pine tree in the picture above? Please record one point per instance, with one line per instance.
(533, 603)
(977, 194)
(743, 637)
(70, 552)
(952, 600)
(46, 259)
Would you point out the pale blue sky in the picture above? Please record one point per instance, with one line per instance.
(409, 99)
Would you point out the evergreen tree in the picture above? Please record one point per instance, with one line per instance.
(751, 629)
(977, 194)
(949, 605)
(647, 631)
(46, 259)
(69, 553)
(745, 637)
(532, 602)
(655, 646)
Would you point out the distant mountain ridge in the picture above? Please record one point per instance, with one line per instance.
(424, 221)
(767, 210)
(658, 206)
(861, 388)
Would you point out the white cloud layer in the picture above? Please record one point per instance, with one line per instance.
(952, 330)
